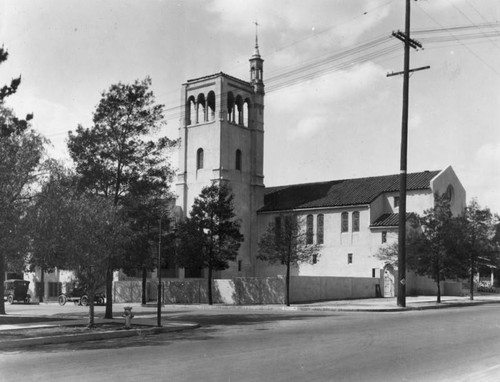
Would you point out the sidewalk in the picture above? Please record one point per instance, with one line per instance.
(358, 305)
(390, 304)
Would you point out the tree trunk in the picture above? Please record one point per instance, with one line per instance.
(2, 279)
(42, 286)
(144, 285)
(209, 279)
(287, 284)
(109, 294)
(438, 287)
(471, 280)
(91, 324)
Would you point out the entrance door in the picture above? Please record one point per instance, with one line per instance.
(388, 281)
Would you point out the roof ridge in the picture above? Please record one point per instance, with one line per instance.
(347, 179)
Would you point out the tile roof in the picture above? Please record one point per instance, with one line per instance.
(389, 220)
(338, 193)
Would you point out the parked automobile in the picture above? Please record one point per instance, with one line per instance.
(79, 296)
(16, 290)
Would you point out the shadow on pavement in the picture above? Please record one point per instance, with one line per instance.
(211, 325)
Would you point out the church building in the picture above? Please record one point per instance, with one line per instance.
(222, 140)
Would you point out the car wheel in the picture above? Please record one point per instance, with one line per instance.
(10, 299)
(27, 300)
(84, 300)
(61, 300)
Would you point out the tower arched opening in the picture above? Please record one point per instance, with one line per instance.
(239, 109)
(230, 107)
(201, 106)
(246, 112)
(191, 111)
(211, 105)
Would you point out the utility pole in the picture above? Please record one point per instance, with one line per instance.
(408, 43)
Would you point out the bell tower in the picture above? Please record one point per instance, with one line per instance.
(222, 140)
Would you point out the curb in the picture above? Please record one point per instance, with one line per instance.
(332, 308)
(70, 338)
(396, 309)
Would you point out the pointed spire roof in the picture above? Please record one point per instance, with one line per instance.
(256, 53)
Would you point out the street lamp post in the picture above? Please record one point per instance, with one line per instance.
(158, 312)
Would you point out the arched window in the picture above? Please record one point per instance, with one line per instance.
(211, 105)
(319, 229)
(309, 229)
(449, 195)
(239, 110)
(201, 112)
(238, 160)
(246, 111)
(355, 221)
(191, 111)
(344, 226)
(199, 159)
(230, 107)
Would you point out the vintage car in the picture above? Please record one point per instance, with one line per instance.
(79, 296)
(16, 290)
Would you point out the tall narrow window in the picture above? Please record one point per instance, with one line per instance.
(199, 159)
(384, 237)
(355, 221)
(211, 106)
(277, 226)
(396, 201)
(309, 229)
(238, 160)
(349, 258)
(344, 225)
(319, 229)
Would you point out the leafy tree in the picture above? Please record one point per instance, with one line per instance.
(114, 154)
(431, 245)
(21, 152)
(477, 240)
(12, 124)
(210, 237)
(388, 253)
(21, 155)
(146, 203)
(95, 231)
(433, 252)
(75, 231)
(44, 222)
(285, 242)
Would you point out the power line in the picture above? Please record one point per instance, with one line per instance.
(472, 22)
(456, 39)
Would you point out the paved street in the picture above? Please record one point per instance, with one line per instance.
(455, 344)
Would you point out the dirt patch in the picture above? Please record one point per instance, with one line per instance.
(62, 330)
(13, 320)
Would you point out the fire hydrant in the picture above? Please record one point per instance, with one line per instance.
(128, 316)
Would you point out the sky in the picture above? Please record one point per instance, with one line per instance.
(330, 110)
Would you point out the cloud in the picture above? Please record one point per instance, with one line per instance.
(311, 108)
(307, 127)
(323, 91)
(484, 178)
(283, 18)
